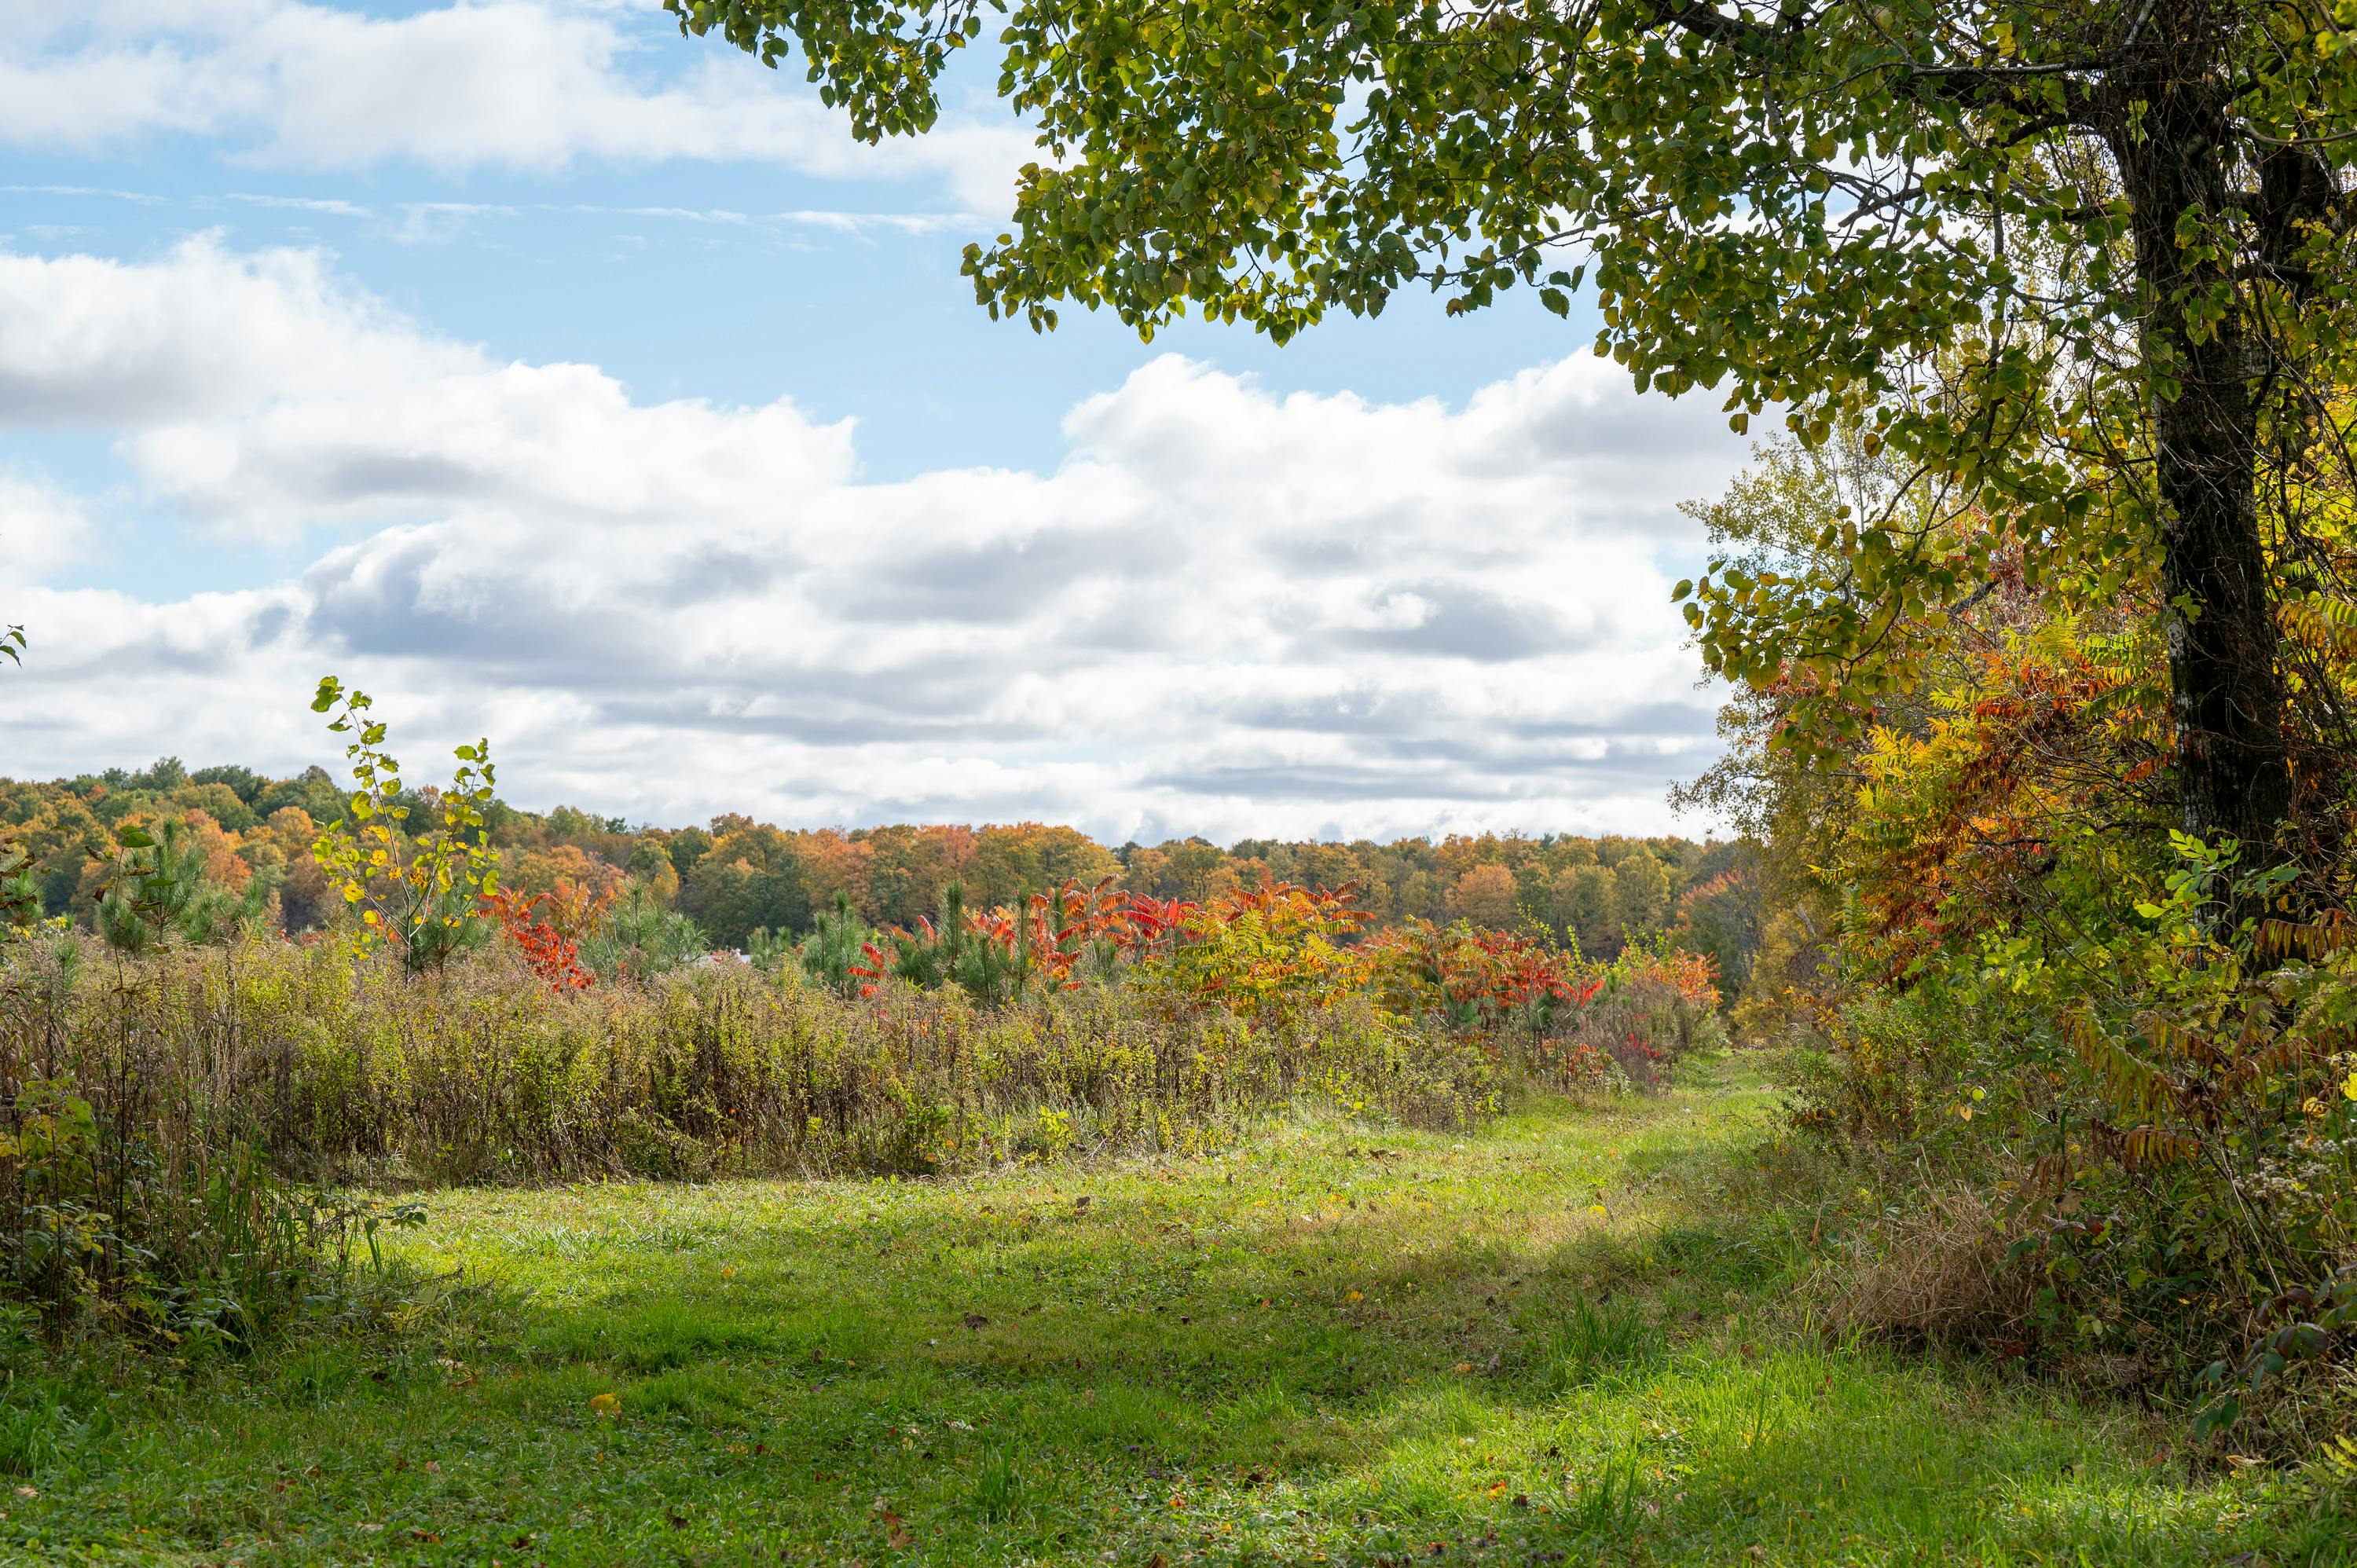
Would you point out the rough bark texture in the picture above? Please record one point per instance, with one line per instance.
(2228, 688)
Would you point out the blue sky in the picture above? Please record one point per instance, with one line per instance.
(552, 374)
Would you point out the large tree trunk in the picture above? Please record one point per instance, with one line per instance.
(2228, 692)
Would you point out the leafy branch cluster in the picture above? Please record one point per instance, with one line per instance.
(419, 894)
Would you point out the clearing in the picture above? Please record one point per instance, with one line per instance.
(1551, 1340)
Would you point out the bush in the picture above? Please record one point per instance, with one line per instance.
(637, 938)
(1651, 1009)
(134, 1194)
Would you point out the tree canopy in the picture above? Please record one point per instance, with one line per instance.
(2078, 265)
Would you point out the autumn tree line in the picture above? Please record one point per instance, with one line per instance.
(735, 876)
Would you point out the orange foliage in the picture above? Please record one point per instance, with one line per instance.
(535, 925)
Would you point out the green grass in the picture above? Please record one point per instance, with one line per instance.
(1553, 1340)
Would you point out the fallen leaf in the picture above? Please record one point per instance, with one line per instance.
(1353, 1295)
(1462, 1368)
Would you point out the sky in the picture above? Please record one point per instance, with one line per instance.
(563, 381)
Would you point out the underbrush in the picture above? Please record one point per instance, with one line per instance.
(137, 1197)
(2151, 1211)
(199, 1139)
(331, 1069)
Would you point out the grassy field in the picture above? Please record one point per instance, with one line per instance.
(1561, 1338)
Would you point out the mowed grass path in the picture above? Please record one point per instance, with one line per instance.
(1548, 1340)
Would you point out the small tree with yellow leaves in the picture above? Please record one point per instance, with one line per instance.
(421, 894)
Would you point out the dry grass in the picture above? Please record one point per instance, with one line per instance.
(1933, 1273)
(341, 1067)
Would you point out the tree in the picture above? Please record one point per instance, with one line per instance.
(244, 782)
(1586, 906)
(1641, 893)
(1484, 896)
(651, 869)
(752, 876)
(160, 887)
(420, 891)
(2080, 264)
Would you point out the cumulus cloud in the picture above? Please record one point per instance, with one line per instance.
(263, 393)
(42, 529)
(516, 84)
(1225, 611)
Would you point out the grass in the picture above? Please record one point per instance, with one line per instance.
(1553, 1340)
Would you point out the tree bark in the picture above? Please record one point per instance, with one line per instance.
(2227, 688)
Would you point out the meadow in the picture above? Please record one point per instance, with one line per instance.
(1955, 1164)
(1565, 1334)
(492, 1226)
(1960, 1167)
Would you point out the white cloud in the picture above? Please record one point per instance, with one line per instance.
(86, 340)
(326, 206)
(137, 197)
(515, 84)
(262, 394)
(42, 529)
(1226, 611)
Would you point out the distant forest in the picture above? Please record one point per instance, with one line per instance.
(733, 874)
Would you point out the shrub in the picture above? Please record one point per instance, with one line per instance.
(418, 892)
(156, 889)
(832, 954)
(637, 938)
(139, 1199)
